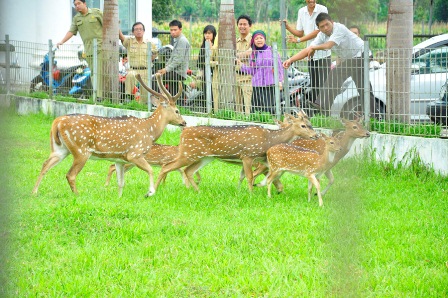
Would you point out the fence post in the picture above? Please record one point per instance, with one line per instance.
(50, 67)
(284, 55)
(208, 79)
(366, 79)
(7, 66)
(277, 88)
(149, 69)
(94, 69)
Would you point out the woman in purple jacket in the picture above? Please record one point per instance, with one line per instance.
(261, 67)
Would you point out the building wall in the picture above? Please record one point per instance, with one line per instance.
(35, 21)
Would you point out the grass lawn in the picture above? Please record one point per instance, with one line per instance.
(381, 233)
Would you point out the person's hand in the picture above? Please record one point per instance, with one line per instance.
(59, 44)
(291, 38)
(287, 63)
(311, 51)
(162, 71)
(193, 84)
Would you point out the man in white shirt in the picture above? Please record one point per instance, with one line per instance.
(306, 30)
(349, 48)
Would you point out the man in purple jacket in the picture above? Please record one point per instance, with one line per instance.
(261, 67)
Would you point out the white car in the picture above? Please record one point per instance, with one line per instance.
(429, 72)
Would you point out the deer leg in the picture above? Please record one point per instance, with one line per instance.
(270, 178)
(78, 163)
(310, 190)
(127, 167)
(247, 166)
(184, 177)
(142, 164)
(192, 169)
(120, 177)
(313, 180)
(109, 174)
(242, 176)
(261, 169)
(330, 177)
(171, 166)
(55, 158)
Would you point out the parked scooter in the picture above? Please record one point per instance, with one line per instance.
(62, 77)
(82, 83)
(299, 84)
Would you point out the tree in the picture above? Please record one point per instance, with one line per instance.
(398, 62)
(110, 50)
(226, 50)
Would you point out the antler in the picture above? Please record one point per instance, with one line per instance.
(167, 93)
(153, 92)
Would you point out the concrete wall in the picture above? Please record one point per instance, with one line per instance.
(432, 151)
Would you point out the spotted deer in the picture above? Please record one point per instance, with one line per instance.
(122, 139)
(157, 156)
(199, 145)
(353, 130)
(301, 161)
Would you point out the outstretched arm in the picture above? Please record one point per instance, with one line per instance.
(67, 36)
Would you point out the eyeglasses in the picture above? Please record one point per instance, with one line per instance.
(138, 29)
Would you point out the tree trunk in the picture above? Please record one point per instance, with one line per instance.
(226, 55)
(398, 62)
(110, 50)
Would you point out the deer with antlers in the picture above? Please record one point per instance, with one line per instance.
(301, 161)
(353, 130)
(122, 139)
(199, 145)
(157, 156)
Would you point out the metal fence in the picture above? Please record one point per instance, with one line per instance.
(220, 87)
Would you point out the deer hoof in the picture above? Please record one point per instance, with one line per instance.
(150, 193)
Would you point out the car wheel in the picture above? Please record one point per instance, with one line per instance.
(355, 107)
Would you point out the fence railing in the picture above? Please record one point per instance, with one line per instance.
(220, 85)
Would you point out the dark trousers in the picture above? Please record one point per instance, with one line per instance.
(172, 79)
(263, 99)
(318, 74)
(337, 76)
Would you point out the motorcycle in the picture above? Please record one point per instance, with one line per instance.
(62, 77)
(82, 84)
(299, 84)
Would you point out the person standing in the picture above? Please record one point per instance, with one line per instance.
(89, 23)
(209, 36)
(176, 67)
(347, 46)
(243, 51)
(137, 49)
(306, 30)
(261, 67)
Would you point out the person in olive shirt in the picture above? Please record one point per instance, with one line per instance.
(243, 81)
(89, 23)
(137, 49)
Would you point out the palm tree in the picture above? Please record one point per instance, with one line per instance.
(399, 50)
(226, 58)
(110, 50)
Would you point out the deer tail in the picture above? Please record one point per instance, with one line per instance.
(54, 134)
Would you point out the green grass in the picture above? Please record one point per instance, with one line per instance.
(382, 231)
